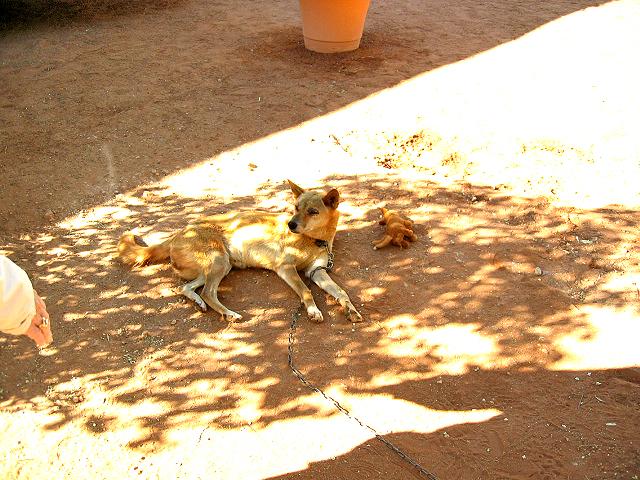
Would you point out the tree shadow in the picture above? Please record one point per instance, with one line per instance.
(30, 13)
(529, 440)
(461, 321)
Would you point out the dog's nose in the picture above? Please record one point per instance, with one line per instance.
(292, 225)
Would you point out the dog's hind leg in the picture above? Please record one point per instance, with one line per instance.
(409, 234)
(188, 290)
(220, 267)
(399, 240)
(383, 242)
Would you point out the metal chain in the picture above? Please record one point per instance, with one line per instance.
(301, 377)
(329, 261)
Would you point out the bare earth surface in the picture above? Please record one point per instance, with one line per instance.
(503, 344)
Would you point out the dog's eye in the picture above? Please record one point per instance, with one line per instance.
(312, 211)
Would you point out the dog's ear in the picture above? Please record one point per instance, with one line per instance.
(383, 220)
(332, 199)
(297, 191)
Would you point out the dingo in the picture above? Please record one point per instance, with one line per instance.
(205, 251)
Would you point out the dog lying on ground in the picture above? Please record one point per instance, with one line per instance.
(399, 230)
(204, 252)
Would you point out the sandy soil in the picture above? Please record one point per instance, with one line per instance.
(503, 344)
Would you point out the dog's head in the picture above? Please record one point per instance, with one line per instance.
(390, 215)
(316, 212)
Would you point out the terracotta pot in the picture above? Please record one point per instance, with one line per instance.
(332, 26)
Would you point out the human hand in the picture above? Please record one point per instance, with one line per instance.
(40, 329)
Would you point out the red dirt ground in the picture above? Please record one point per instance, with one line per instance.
(502, 344)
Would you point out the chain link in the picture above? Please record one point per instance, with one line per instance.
(329, 259)
(301, 377)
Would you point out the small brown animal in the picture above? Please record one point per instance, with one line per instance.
(399, 230)
(204, 252)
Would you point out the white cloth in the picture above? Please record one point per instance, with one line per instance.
(17, 305)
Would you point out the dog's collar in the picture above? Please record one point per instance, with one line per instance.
(329, 266)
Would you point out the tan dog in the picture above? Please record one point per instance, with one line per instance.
(399, 230)
(205, 251)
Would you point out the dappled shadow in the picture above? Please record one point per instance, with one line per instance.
(497, 293)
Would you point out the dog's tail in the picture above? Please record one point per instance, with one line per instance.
(133, 251)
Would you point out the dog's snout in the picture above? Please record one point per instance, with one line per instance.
(292, 225)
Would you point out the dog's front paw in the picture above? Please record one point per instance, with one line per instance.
(231, 317)
(352, 314)
(200, 303)
(315, 315)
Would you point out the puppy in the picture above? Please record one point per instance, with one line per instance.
(399, 230)
(204, 252)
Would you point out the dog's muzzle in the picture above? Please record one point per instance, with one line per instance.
(292, 225)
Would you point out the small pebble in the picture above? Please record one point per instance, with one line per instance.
(538, 271)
